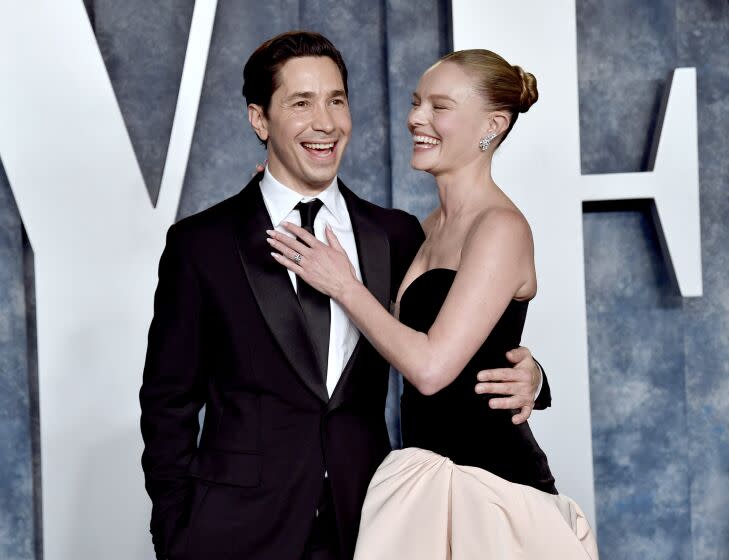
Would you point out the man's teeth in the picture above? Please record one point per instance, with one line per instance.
(425, 140)
(313, 146)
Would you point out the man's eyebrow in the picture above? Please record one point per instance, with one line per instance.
(300, 94)
(311, 94)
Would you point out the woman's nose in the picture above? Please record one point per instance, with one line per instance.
(415, 117)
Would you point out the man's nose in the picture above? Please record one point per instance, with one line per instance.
(323, 120)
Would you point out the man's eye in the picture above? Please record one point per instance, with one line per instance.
(338, 101)
(415, 104)
(438, 107)
(301, 104)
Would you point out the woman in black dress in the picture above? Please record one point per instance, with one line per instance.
(470, 482)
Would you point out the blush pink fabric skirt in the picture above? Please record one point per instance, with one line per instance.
(421, 505)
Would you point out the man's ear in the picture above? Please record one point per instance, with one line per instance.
(258, 120)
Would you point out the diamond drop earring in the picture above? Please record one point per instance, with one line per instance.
(485, 142)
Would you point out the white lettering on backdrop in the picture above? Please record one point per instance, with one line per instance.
(97, 241)
(540, 168)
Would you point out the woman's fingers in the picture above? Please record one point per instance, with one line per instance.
(333, 239)
(288, 263)
(279, 240)
(301, 233)
(287, 252)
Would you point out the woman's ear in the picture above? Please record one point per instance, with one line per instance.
(259, 123)
(499, 122)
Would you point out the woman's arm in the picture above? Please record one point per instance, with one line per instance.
(495, 263)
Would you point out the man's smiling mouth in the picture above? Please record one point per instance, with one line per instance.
(320, 149)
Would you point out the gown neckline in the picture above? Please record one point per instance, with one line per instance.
(415, 280)
(451, 270)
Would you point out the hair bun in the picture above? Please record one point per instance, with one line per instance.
(529, 93)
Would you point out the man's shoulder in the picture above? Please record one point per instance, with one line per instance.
(403, 231)
(400, 225)
(215, 218)
(394, 221)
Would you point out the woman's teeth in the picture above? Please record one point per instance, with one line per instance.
(426, 140)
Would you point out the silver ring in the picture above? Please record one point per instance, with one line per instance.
(296, 258)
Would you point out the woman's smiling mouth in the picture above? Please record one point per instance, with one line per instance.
(422, 142)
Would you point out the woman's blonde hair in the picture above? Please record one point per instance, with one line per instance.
(504, 87)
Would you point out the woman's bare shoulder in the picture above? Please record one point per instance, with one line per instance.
(500, 238)
(505, 223)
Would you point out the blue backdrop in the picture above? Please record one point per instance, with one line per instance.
(659, 364)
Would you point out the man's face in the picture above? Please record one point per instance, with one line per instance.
(308, 124)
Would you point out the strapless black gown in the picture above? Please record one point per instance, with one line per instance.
(456, 422)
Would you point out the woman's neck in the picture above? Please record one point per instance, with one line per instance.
(464, 191)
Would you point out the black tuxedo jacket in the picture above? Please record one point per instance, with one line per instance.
(228, 333)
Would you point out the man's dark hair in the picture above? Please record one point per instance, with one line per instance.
(260, 74)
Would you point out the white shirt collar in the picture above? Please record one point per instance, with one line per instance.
(281, 200)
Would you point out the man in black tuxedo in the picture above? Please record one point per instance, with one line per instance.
(294, 425)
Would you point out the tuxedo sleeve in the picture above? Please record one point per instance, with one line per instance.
(544, 398)
(171, 395)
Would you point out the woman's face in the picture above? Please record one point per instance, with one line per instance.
(447, 120)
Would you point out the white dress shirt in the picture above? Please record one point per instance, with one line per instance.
(281, 203)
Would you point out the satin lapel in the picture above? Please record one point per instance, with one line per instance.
(272, 288)
(373, 250)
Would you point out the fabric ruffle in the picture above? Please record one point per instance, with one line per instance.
(421, 505)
